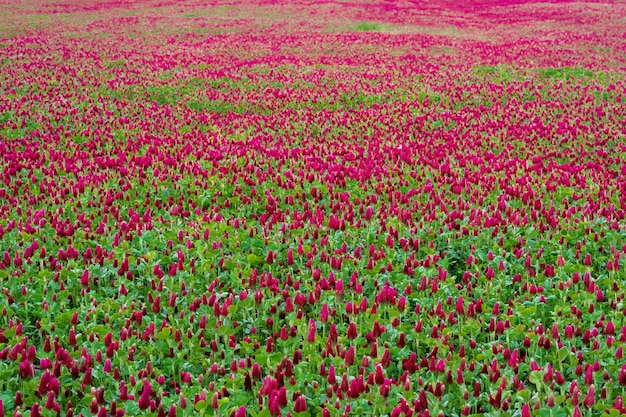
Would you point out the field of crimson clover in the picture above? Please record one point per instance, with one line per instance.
(293, 208)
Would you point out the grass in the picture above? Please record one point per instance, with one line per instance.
(502, 73)
(217, 106)
(566, 73)
(506, 74)
(116, 63)
(368, 27)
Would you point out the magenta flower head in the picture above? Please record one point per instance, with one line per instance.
(350, 355)
(590, 398)
(460, 306)
(324, 314)
(352, 331)
(274, 404)
(35, 410)
(26, 369)
(622, 376)
(401, 303)
(526, 410)
(300, 405)
(144, 398)
(312, 331)
(84, 279)
(241, 412)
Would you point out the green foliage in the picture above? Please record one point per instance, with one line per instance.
(368, 26)
(566, 73)
(498, 73)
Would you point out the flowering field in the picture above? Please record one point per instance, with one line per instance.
(293, 208)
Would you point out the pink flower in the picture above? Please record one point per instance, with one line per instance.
(609, 329)
(312, 331)
(35, 410)
(324, 314)
(300, 405)
(402, 303)
(352, 332)
(50, 403)
(622, 375)
(349, 359)
(332, 379)
(460, 306)
(590, 398)
(384, 389)
(274, 404)
(282, 396)
(84, 279)
(26, 369)
(144, 398)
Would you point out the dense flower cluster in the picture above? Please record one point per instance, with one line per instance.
(330, 208)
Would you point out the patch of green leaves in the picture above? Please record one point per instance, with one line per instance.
(368, 26)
